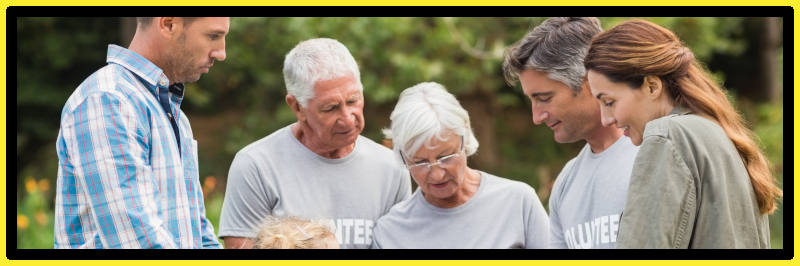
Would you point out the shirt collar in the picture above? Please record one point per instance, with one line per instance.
(146, 70)
(680, 110)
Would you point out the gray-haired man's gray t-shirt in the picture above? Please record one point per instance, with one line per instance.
(501, 214)
(277, 175)
(588, 197)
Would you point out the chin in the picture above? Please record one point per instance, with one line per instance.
(193, 79)
(442, 196)
(344, 142)
(564, 140)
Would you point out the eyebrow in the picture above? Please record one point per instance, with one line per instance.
(600, 95)
(440, 155)
(329, 105)
(537, 94)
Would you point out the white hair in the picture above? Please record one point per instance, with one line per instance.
(425, 111)
(315, 60)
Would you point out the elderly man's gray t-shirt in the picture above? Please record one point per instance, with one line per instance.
(277, 175)
(589, 195)
(501, 214)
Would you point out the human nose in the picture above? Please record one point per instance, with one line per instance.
(538, 115)
(349, 117)
(219, 53)
(606, 118)
(435, 173)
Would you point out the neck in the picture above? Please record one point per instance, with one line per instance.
(148, 48)
(144, 46)
(300, 131)
(667, 105)
(472, 182)
(603, 137)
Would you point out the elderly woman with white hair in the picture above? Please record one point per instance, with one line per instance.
(454, 206)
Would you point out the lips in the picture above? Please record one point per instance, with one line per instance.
(554, 124)
(440, 185)
(627, 132)
(346, 132)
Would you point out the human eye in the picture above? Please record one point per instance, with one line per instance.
(608, 103)
(420, 163)
(448, 158)
(543, 97)
(354, 99)
(214, 36)
(329, 108)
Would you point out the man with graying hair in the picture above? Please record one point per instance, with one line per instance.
(319, 167)
(588, 196)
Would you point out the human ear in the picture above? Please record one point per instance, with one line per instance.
(169, 26)
(652, 86)
(295, 105)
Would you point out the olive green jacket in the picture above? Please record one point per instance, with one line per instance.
(690, 189)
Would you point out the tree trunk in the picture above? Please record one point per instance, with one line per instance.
(768, 58)
(482, 111)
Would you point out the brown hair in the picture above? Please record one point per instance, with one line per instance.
(637, 48)
(292, 233)
(145, 22)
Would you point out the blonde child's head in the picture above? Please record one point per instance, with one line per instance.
(294, 233)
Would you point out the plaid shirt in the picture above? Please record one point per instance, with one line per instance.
(123, 180)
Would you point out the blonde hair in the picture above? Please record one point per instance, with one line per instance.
(636, 48)
(292, 233)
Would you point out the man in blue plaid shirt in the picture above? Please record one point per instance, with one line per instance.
(127, 174)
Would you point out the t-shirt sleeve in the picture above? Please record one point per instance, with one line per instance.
(556, 229)
(404, 190)
(247, 201)
(660, 207)
(537, 231)
(376, 231)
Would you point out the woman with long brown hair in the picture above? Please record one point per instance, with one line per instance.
(699, 179)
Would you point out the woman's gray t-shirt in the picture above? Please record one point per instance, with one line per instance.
(502, 214)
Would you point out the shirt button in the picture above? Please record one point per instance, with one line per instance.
(169, 115)
(163, 83)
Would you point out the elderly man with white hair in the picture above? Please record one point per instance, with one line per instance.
(319, 167)
(455, 206)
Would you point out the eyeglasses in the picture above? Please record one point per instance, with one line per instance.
(424, 168)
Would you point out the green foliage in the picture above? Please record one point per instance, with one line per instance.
(768, 126)
(214, 209)
(35, 215)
